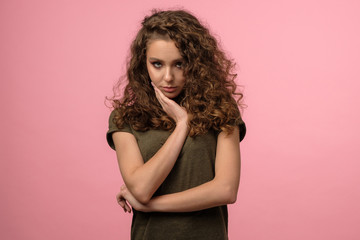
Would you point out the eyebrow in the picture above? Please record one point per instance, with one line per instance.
(156, 59)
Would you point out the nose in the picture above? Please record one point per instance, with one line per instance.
(168, 75)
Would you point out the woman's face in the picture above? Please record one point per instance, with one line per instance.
(164, 65)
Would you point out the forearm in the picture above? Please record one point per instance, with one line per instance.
(147, 178)
(219, 191)
(210, 194)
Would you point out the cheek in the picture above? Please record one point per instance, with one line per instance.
(154, 77)
(151, 73)
(181, 78)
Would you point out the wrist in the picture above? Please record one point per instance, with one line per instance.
(183, 125)
(183, 122)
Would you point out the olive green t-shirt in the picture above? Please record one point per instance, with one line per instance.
(194, 166)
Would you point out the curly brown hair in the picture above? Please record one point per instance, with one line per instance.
(209, 92)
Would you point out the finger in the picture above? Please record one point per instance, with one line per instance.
(122, 204)
(118, 196)
(127, 207)
(160, 98)
(120, 200)
(160, 95)
(154, 86)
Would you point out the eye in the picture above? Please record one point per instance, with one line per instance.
(156, 64)
(178, 64)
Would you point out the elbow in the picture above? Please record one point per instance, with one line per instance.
(144, 199)
(141, 196)
(140, 192)
(229, 194)
(227, 190)
(232, 198)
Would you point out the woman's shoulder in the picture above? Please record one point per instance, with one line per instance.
(113, 113)
(113, 126)
(115, 122)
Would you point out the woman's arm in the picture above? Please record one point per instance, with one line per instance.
(143, 179)
(219, 191)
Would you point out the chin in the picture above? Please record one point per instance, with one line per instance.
(171, 95)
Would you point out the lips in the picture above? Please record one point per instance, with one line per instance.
(169, 89)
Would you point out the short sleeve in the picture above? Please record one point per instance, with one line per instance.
(113, 128)
(242, 129)
(241, 124)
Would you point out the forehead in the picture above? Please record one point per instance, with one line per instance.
(162, 49)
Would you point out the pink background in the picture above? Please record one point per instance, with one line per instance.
(299, 63)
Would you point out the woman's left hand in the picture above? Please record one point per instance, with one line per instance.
(124, 198)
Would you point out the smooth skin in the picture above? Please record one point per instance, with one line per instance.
(164, 65)
(143, 179)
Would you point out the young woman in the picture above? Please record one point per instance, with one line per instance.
(176, 131)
